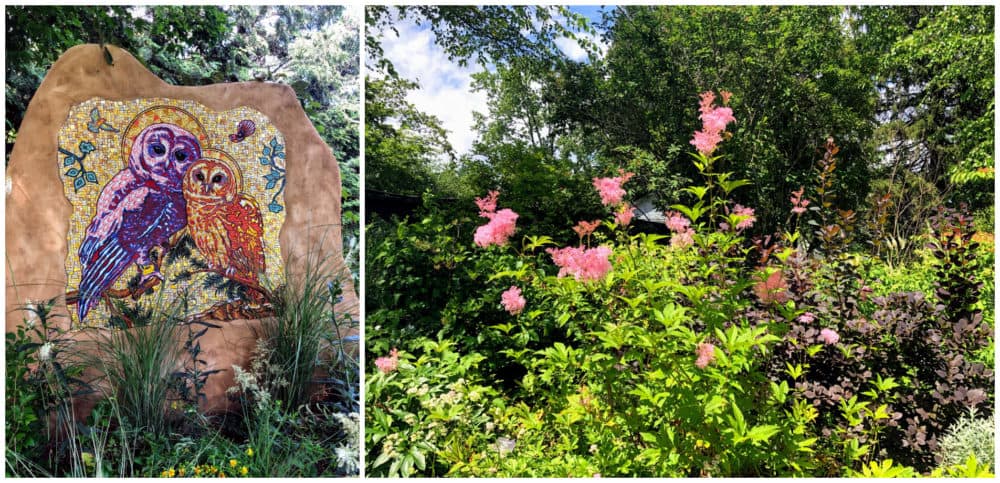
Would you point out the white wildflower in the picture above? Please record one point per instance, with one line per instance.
(45, 352)
(32, 317)
(349, 453)
(504, 445)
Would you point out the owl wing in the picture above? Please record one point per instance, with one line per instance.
(106, 251)
(245, 227)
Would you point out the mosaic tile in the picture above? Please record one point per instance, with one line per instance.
(170, 199)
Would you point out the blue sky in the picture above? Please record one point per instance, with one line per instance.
(445, 87)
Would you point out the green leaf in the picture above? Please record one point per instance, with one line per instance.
(418, 458)
(762, 433)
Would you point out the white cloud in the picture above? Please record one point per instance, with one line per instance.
(571, 48)
(445, 87)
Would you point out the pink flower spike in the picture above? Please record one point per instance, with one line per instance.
(706, 355)
(624, 215)
(807, 318)
(706, 142)
(726, 95)
(799, 202)
(829, 336)
(584, 264)
(676, 222)
(498, 230)
(682, 239)
(747, 215)
(584, 228)
(488, 205)
(512, 300)
(707, 99)
(716, 120)
(610, 190)
(388, 364)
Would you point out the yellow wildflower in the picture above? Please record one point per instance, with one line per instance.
(232, 463)
(222, 475)
(249, 451)
(180, 472)
(163, 474)
(197, 470)
(171, 472)
(244, 471)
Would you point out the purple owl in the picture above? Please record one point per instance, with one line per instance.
(140, 208)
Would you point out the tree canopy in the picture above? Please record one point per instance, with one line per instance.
(898, 89)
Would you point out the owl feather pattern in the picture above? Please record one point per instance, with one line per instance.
(226, 225)
(139, 209)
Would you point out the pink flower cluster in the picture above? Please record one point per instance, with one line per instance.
(388, 364)
(512, 300)
(584, 228)
(798, 202)
(501, 224)
(829, 336)
(713, 122)
(584, 264)
(706, 354)
(610, 189)
(747, 215)
(624, 214)
(681, 226)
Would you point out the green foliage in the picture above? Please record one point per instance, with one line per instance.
(138, 367)
(41, 378)
(428, 413)
(713, 355)
(401, 143)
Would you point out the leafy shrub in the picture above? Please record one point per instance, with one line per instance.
(968, 436)
(426, 413)
(40, 381)
(702, 354)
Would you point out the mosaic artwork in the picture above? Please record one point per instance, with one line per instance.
(172, 200)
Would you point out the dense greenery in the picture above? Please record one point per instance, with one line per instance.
(149, 388)
(818, 303)
(906, 92)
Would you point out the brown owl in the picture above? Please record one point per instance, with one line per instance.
(226, 225)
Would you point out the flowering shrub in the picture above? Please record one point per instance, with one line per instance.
(584, 264)
(512, 300)
(423, 417)
(500, 226)
(700, 353)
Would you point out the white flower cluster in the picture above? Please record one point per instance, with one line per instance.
(349, 453)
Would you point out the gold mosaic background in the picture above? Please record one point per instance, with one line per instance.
(106, 159)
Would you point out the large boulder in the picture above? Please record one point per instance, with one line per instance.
(43, 236)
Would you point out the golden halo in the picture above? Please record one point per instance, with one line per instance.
(223, 157)
(161, 114)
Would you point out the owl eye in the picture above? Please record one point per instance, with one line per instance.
(157, 149)
(217, 178)
(199, 176)
(180, 155)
